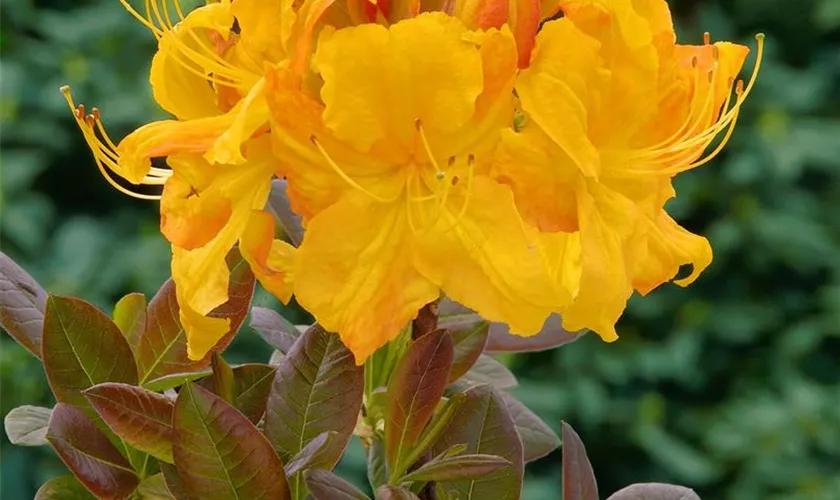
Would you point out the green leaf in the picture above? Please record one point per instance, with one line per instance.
(27, 425)
(219, 453)
(174, 380)
(63, 488)
(654, 491)
(89, 454)
(324, 485)
(469, 339)
(130, 316)
(578, 477)
(388, 492)
(141, 418)
(552, 335)
(487, 370)
(415, 389)
(538, 439)
(274, 329)
(457, 468)
(162, 348)
(483, 424)
(317, 388)
(83, 347)
(377, 466)
(154, 488)
(222, 378)
(22, 304)
(311, 456)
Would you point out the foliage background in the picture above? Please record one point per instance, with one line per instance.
(731, 387)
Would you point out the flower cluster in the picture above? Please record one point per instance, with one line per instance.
(515, 155)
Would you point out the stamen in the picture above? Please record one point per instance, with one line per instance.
(707, 38)
(419, 126)
(344, 176)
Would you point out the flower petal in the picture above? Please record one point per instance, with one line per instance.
(271, 260)
(355, 273)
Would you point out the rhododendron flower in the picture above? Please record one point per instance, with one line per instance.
(615, 109)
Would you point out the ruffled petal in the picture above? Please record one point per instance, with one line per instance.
(271, 260)
(355, 274)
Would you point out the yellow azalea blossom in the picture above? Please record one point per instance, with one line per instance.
(615, 109)
(219, 162)
(389, 164)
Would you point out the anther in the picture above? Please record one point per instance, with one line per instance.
(80, 112)
(707, 38)
(89, 120)
(451, 161)
(313, 140)
(739, 87)
(694, 62)
(193, 192)
(715, 52)
(417, 124)
(455, 180)
(96, 115)
(471, 159)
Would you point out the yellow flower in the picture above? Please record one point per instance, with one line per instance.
(389, 167)
(219, 162)
(615, 109)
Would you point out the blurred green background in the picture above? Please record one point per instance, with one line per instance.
(731, 387)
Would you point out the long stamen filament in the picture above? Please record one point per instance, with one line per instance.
(349, 180)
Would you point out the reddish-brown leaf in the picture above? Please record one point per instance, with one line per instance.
(578, 477)
(82, 347)
(457, 468)
(552, 335)
(219, 453)
(317, 388)
(483, 424)
(654, 491)
(538, 439)
(251, 386)
(388, 492)
(324, 485)
(22, 304)
(468, 338)
(89, 454)
(140, 417)
(162, 348)
(414, 390)
(172, 480)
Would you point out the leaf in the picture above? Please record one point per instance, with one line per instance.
(457, 468)
(174, 380)
(27, 425)
(311, 456)
(154, 488)
(414, 391)
(141, 418)
(220, 454)
(274, 329)
(538, 439)
(162, 348)
(89, 454)
(130, 316)
(172, 480)
(654, 491)
(468, 340)
(578, 477)
(63, 488)
(552, 335)
(487, 370)
(324, 485)
(83, 347)
(377, 467)
(222, 378)
(22, 304)
(388, 492)
(483, 424)
(252, 384)
(317, 388)
(278, 203)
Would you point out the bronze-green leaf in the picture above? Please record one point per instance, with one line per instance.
(89, 454)
(311, 456)
(468, 338)
(82, 347)
(388, 492)
(488, 370)
(317, 388)
(172, 480)
(279, 332)
(27, 425)
(483, 424)
(174, 380)
(251, 385)
(538, 439)
(654, 491)
(162, 348)
(324, 485)
(130, 316)
(414, 391)
(22, 304)
(63, 488)
(140, 417)
(154, 488)
(457, 468)
(219, 453)
(578, 477)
